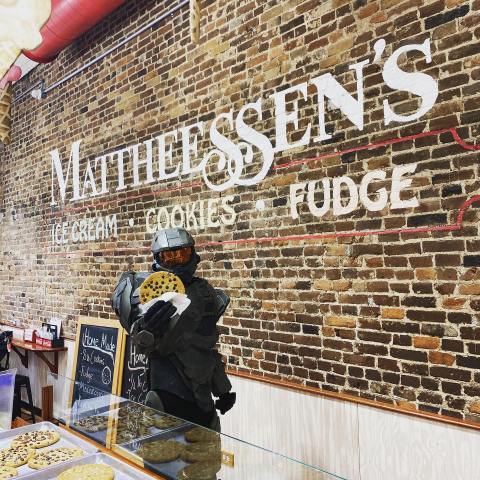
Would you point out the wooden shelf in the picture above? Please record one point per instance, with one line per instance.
(40, 350)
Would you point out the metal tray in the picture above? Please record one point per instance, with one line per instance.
(67, 439)
(169, 470)
(122, 470)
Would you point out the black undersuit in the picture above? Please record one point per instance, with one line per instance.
(190, 411)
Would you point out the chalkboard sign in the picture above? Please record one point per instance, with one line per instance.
(98, 353)
(135, 384)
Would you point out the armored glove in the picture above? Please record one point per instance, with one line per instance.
(153, 324)
(225, 402)
(157, 316)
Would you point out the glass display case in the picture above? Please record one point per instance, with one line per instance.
(7, 387)
(168, 446)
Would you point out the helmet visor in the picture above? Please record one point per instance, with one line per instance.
(172, 258)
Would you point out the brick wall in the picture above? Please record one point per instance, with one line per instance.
(382, 304)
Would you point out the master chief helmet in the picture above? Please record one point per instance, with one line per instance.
(173, 251)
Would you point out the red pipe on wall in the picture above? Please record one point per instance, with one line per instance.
(69, 19)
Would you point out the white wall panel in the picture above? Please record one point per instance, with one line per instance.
(317, 430)
(397, 447)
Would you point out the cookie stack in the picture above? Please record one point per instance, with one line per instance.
(202, 451)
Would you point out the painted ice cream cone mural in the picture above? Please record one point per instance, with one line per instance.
(5, 119)
(20, 23)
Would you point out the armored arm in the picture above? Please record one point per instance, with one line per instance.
(220, 382)
(153, 332)
(197, 324)
(126, 303)
(121, 301)
(150, 326)
(221, 386)
(181, 328)
(222, 302)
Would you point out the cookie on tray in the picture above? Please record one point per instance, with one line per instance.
(160, 451)
(8, 472)
(199, 471)
(140, 420)
(165, 421)
(124, 436)
(92, 424)
(137, 415)
(36, 439)
(14, 456)
(200, 434)
(147, 421)
(127, 433)
(89, 471)
(53, 456)
(202, 452)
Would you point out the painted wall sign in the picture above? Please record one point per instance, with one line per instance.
(247, 162)
(87, 229)
(228, 156)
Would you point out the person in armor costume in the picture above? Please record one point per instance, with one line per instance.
(186, 370)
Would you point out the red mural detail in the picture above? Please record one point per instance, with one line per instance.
(462, 143)
(437, 228)
(384, 143)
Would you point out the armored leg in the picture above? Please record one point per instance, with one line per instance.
(215, 423)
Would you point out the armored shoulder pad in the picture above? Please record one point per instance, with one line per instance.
(122, 297)
(216, 300)
(138, 279)
(223, 300)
